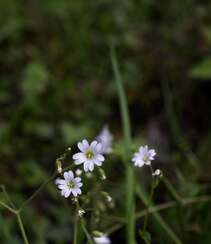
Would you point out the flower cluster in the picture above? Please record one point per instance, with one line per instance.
(90, 155)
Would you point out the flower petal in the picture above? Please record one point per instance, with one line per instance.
(98, 148)
(93, 144)
(74, 192)
(91, 166)
(67, 193)
(85, 144)
(78, 155)
(86, 166)
(59, 181)
(77, 179)
(100, 157)
(81, 147)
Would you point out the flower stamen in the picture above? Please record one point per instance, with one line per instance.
(89, 154)
(71, 185)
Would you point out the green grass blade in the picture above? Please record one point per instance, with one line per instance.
(130, 181)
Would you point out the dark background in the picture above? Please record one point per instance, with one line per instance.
(57, 87)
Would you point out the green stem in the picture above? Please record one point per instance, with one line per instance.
(172, 190)
(157, 217)
(42, 186)
(37, 191)
(22, 228)
(8, 207)
(89, 238)
(76, 225)
(130, 179)
(7, 196)
(150, 200)
(161, 207)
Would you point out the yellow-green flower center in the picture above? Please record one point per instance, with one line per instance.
(89, 154)
(71, 184)
(146, 158)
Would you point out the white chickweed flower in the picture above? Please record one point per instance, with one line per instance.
(81, 212)
(157, 172)
(69, 185)
(89, 156)
(78, 172)
(143, 156)
(102, 240)
(105, 138)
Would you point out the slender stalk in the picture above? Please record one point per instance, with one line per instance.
(172, 190)
(89, 238)
(8, 207)
(161, 207)
(147, 214)
(42, 186)
(130, 179)
(7, 196)
(20, 223)
(76, 225)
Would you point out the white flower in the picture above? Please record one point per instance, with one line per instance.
(102, 240)
(143, 156)
(157, 172)
(81, 212)
(90, 155)
(105, 138)
(69, 185)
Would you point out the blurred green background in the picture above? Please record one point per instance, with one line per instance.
(57, 87)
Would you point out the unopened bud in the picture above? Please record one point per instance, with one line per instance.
(158, 172)
(59, 166)
(78, 172)
(102, 174)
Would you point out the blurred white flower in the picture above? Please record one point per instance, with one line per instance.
(105, 138)
(143, 156)
(78, 172)
(89, 156)
(102, 240)
(81, 212)
(69, 185)
(157, 172)
(109, 199)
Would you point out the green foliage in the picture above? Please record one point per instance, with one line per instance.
(57, 87)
